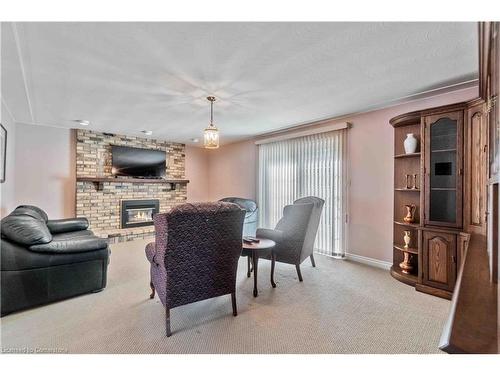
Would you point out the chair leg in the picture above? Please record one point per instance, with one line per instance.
(312, 260)
(299, 274)
(167, 322)
(273, 263)
(233, 301)
(152, 295)
(248, 266)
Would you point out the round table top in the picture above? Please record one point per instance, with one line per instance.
(264, 244)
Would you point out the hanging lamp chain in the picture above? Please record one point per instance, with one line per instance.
(212, 100)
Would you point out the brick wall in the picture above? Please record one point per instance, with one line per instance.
(101, 205)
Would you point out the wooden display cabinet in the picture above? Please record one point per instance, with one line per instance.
(446, 188)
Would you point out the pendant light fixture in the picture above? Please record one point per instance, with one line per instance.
(211, 134)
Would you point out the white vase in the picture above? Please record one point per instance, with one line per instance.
(410, 144)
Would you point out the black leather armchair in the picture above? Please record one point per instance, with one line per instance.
(45, 260)
(296, 232)
(251, 216)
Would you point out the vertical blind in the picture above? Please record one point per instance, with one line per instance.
(299, 167)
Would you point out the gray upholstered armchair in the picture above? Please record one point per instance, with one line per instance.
(250, 206)
(195, 254)
(296, 231)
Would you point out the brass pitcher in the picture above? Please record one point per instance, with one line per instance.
(410, 213)
(405, 265)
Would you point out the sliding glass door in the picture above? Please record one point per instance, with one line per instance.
(312, 165)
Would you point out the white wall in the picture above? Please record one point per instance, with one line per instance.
(45, 169)
(8, 188)
(197, 172)
(233, 171)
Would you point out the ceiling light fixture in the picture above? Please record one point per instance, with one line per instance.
(147, 132)
(83, 122)
(211, 134)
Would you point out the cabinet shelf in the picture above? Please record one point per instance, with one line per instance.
(399, 275)
(445, 150)
(404, 189)
(444, 189)
(411, 250)
(402, 223)
(401, 156)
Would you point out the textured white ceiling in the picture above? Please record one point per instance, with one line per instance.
(126, 77)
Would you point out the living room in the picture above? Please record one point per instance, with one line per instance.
(249, 187)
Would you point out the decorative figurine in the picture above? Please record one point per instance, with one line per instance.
(405, 265)
(410, 213)
(415, 182)
(408, 182)
(410, 144)
(407, 238)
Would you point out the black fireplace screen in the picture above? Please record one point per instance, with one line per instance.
(138, 213)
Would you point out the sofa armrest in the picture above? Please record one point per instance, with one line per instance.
(76, 245)
(270, 234)
(67, 225)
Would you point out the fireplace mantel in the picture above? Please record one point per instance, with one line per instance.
(97, 181)
(133, 180)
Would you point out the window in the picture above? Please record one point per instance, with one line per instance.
(299, 167)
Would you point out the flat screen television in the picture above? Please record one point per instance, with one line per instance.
(138, 162)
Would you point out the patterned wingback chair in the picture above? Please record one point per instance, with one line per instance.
(195, 254)
(296, 232)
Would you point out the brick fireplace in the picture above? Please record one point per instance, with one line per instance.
(100, 197)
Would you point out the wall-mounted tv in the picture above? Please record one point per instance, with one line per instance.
(138, 162)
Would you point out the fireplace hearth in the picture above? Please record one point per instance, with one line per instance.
(138, 213)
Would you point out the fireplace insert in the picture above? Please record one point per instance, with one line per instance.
(138, 213)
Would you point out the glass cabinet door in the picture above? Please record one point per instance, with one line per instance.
(444, 169)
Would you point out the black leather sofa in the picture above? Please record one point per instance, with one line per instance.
(251, 216)
(44, 260)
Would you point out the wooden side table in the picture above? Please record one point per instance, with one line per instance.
(254, 250)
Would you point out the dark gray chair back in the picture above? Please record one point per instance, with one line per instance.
(202, 249)
(251, 215)
(312, 227)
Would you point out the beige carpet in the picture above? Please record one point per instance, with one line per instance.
(341, 307)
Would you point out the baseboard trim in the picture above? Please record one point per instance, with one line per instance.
(369, 261)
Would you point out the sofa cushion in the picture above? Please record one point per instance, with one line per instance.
(67, 225)
(32, 211)
(25, 229)
(74, 245)
(17, 257)
(70, 235)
